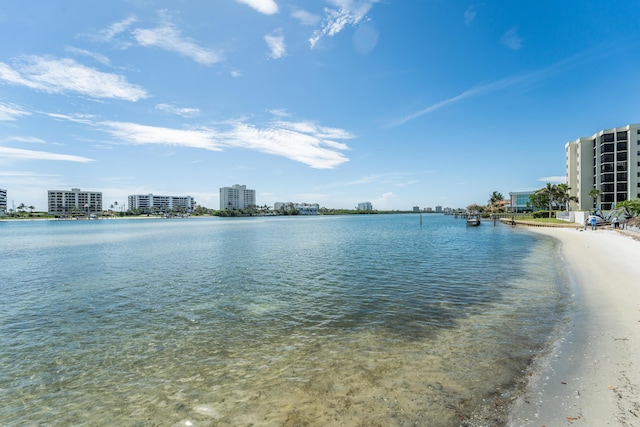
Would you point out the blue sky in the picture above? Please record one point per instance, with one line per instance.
(396, 102)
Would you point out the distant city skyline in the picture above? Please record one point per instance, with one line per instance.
(405, 103)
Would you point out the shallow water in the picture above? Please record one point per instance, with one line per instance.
(346, 320)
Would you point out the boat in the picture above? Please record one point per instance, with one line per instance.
(473, 221)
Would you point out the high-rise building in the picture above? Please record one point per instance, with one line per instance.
(74, 202)
(153, 203)
(3, 201)
(365, 206)
(237, 197)
(608, 161)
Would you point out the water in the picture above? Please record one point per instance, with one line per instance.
(287, 321)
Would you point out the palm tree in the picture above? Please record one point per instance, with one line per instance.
(551, 192)
(495, 199)
(595, 194)
(564, 196)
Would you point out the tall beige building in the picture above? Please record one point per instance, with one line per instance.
(237, 197)
(609, 161)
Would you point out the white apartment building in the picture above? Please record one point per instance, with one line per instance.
(63, 202)
(302, 208)
(3, 201)
(365, 206)
(609, 161)
(154, 203)
(237, 197)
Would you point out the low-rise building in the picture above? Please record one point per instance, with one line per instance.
(149, 203)
(520, 201)
(301, 208)
(74, 202)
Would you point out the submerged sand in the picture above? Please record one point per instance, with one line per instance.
(592, 376)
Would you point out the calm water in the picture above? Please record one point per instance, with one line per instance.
(347, 320)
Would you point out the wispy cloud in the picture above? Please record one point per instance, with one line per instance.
(109, 34)
(27, 139)
(65, 75)
(469, 15)
(10, 112)
(490, 87)
(305, 18)
(184, 112)
(345, 13)
(102, 59)
(167, 37)
(19, 153)
(142, 134)
(268, 7)
(305, 141)
(553, 179)
(275, 41)
(511, 39)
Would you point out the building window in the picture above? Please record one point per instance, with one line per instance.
(607, 137)
(621, 136)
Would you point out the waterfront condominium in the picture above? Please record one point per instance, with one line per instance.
(365, 206)
(149, 203)
(3, 201)
(74, 202)
(608, 161)
(237, 197)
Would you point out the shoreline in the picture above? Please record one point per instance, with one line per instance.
(591, 376)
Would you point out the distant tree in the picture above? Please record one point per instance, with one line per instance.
(475, 208)
(595, 194)
(550, 191)
(495, 201)
(563, 195)
(538, 201)
(632, 207)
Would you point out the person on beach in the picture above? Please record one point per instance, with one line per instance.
(586, 221)
(594, 222)
(616, 222)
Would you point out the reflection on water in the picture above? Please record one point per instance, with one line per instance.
(356, 320)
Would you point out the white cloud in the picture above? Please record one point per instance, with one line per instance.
(10, 112)
(511, 39)
(268, 7)
(305, 18)
(83, 52)
(304, 142)
(275, 41)
(141, 134)
(27, 139)
(109, 33)
(560, 179)
(347, 12)
(469, 15)
(184, 112)
(297, 146)
(235, 73)
(167, 37)
(66, 75)
(40, 155)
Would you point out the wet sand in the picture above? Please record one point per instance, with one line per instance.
(592, 376)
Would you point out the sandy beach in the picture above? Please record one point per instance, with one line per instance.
(592, 376)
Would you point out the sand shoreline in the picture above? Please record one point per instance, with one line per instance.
(592, 376)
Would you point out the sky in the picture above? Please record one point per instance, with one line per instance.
(401, 103)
